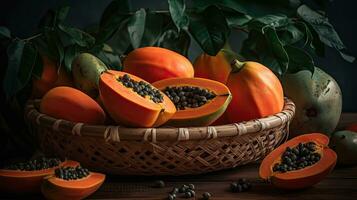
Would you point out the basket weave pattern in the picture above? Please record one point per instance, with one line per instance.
(160, 151)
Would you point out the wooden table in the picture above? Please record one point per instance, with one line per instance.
(340, 184)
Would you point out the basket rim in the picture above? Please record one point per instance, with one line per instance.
(115, 133)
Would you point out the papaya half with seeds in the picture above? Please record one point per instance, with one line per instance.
(133, 102)
(73, 187)
(299, 163)
(17, 181)
(72, 105)
(155, 63)
(198, 101)
(256, 92)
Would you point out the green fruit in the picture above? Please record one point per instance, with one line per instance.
(86, 70)
(345, 145)
(318, 101)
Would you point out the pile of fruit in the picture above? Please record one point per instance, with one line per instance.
(159, 87)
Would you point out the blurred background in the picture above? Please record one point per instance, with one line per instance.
(22, 17)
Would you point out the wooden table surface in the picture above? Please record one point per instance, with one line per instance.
(340, 184)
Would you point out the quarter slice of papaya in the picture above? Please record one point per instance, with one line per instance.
(16, 181)
(127, 107)
(54, 188)
(205, 114)
(300, 178)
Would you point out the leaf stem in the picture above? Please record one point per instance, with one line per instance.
(32, 37)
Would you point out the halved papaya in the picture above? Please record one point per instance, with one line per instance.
(54, 187)
(287, 167)
(17, 181)
(198, 101)
(134, 107)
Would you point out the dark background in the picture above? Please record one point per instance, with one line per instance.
(22, 16)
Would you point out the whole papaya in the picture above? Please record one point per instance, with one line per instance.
(318, 101)
(256, 92)
(86, 70)
(345, 145)
(215, 67)
(154, 63)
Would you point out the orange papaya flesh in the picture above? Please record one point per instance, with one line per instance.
(299, 178)
(73, 105)
(155, 63)
(127, 107)
(205, 114)
(256, 92)
(54, 188)
(16, 181)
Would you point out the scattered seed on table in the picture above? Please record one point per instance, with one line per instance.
(159, 184)
(206, 196)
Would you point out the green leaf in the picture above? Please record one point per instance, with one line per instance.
(21, 61)
(210, 29)
(299, 60)
(70, 36)
(54, 17)
(70, 53)
(236, 19)
(175, 41)
(275, 21)
(38, 68)
(120, 41)
(53, 45)
(136, 27)
(154, 23)
(177, 10)
(61, 14)
(4, 33)
(290, 35)
(323, 28)
(277, 49)
(113, 16)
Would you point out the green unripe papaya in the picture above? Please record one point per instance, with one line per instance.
(86, 70)
(318, 101)
(345, 145)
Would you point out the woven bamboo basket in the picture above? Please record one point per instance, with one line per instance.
(160, 151)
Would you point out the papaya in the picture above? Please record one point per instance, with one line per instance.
(71, 183)
(155, 63)
(20, 180)
(216, 67)
(72, 105)
(345, 144)
(86, 70)
(131, 101)
(256, 92)
(52, 76)
(318, 101)
(299, 163)
(198, 101)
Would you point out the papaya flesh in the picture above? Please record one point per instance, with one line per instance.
(345, 144)
(205, 114)
(155, 63)
(256, 92)
(300, 178)
(72, 105)
(54, 188)
(16, 181)
(127, 107)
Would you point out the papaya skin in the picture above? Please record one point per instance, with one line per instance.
(52, 76)
(345, 144)
(155, 63)
(256, 92)
(127, 107)
(54, 188)
(86, 70)
(304, 177)
(14, 181)
(216, 67)
(318, 101)
(207, 113)
(72, 105)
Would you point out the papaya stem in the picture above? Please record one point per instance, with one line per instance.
(237, 65)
